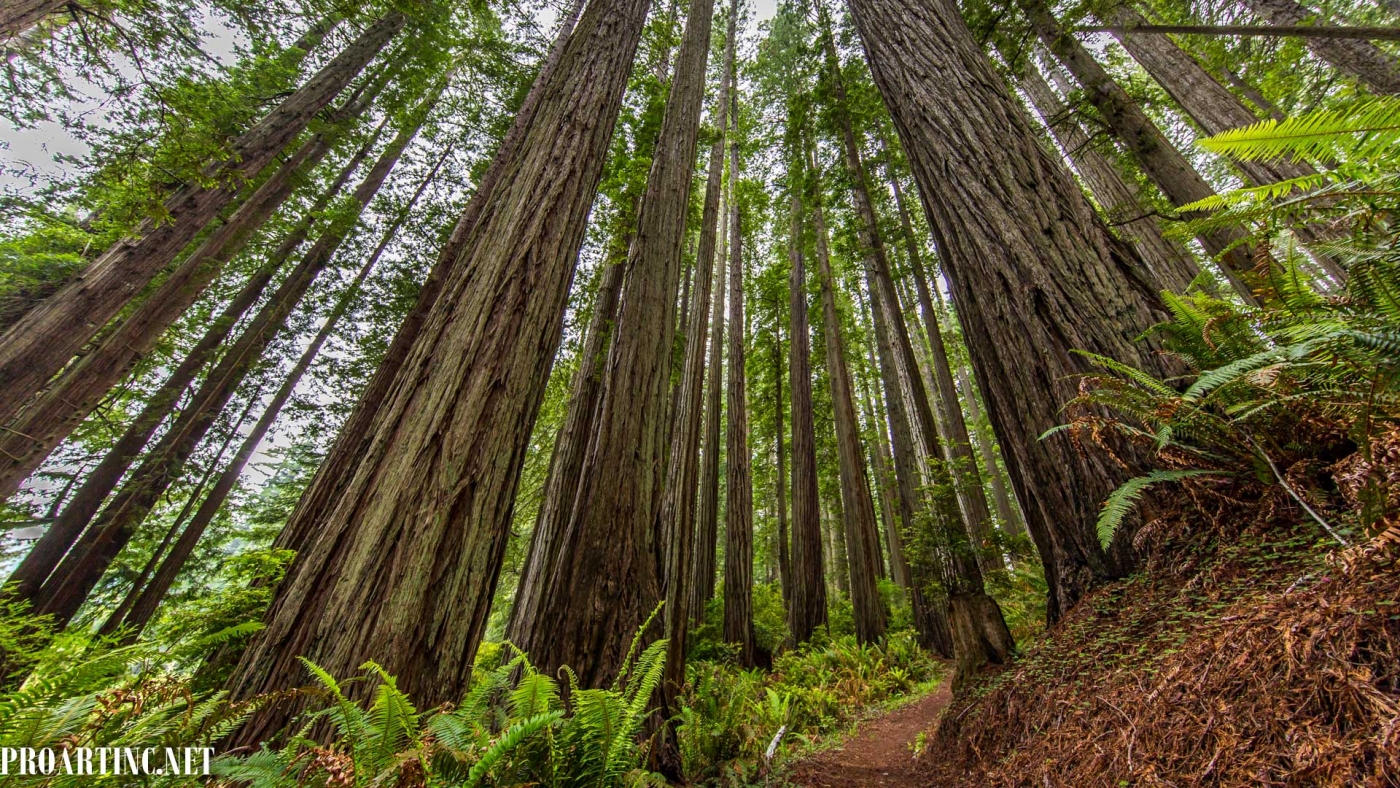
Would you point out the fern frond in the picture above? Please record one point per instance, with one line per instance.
(1357, 130)
(1121, 500)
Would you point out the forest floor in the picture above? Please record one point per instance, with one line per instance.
(879, 753)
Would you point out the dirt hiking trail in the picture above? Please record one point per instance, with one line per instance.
(879, 753)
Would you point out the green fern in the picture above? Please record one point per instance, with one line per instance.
(1121, 500)
(1361, 129)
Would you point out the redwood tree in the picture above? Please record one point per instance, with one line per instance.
(403, 569)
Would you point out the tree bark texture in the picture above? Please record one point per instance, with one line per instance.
(780, 478)
(40, 344)
(565, 465)
(1365, 61)
(404, 565)
(58, 410)
(1162, 163)
(1170, 262)
(1033, 272)
(44, 557)
(807, 602)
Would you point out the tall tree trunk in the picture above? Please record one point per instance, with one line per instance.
(596, 602)
(352, 443)
(40, 344)
(931, 308)
(807, 597)
(1371, 65)
(1252, 93)
(930, 614)
(861, 530)
(19, 15)
(1170, 262)
(677, 513)
(51, 418)
(885, 483)
(705, 563)
(969, 490)
(44, 557)
(1162, 163)
(415, 538)
(109, 533)
(150, 596)
(1000, 495)
(780, 478)
(565, 465)
(1034, 274)
(738, 511)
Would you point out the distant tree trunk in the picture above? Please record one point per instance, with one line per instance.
(114, 620)
(1212, 107)
(1371, 65)
(886, 484)
(930, 614)
(596, 602)
(1162, 163)
(41, 343)
(1252, 93)
(932, 313)
(409, 550)
(1170, 262)
(58, 410)
(862, 535)
(738, 511)
(63, 534)
(109, 533)
(352, 442)
(1033, 273)
(707, 515)
(151, 595)
(780, 480)
(565, 464)
(968, 484)
(807, 597)
(1000, 495)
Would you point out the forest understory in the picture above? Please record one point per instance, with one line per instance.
(623, 393)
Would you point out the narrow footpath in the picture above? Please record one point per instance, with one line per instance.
(879, 753)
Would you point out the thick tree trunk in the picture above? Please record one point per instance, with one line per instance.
(79, 573)
(677, 513)
(565, 465)
(596, 602)
(807, 597)
(37, 347)
(1362, 59)
(46, 422)
(1162, 163)
(861, 530)
(738, 511)
(150, 596)
(404, 565)
(353, 441)
(44, 557)
(702, 586)
(1170, 262)
(1033, 273)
